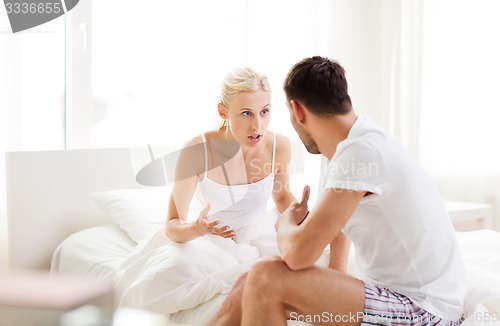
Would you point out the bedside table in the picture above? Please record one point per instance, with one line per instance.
(467, 216)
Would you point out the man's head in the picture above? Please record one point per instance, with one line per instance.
(318, 85)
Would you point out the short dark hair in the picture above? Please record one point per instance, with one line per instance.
(320, 84)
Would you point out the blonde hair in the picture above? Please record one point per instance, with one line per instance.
(238, 81)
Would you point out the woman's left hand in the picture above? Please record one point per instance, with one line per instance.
(204, 226)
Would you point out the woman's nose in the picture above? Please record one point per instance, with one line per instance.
(256, 123)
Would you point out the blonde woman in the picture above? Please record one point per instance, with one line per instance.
(226, 176)
(234, 190)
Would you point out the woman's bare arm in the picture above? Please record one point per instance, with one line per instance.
(189, 166)
(282, 196)
(176, 229)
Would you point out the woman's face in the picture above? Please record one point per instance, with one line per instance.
(248, 116)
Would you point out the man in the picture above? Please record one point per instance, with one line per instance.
(375, 194)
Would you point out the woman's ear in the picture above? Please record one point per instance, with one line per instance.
(222, 111)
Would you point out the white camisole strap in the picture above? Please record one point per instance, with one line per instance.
(204, 139)
(274, 153)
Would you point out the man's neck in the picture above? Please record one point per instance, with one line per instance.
(330, 132)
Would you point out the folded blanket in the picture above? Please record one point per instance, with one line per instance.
(164, 276)
(168, 277)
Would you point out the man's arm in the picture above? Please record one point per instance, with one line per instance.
(301, 245)
(339, 252)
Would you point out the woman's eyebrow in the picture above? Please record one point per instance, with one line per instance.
(248, 109)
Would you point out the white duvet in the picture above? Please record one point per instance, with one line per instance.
(168, 277)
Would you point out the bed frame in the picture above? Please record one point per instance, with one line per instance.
(48, 194)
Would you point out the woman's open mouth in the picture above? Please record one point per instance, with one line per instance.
(255, 138)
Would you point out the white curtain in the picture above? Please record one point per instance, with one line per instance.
(379, 44)
(460, 109)
(428, 71)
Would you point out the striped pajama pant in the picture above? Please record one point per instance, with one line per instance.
(384, 307)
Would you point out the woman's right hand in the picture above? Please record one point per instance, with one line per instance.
(204, 226)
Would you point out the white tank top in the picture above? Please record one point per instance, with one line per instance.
(237, 205)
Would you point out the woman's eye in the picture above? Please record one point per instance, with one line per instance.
(247, 113)
(264, 112)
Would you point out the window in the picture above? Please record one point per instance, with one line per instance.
(32, 97)
(32, 94)
(156, 67)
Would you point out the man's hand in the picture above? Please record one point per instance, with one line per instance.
(297, 211)
(204, 226)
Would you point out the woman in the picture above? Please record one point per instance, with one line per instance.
(230, 173)
(233, 185)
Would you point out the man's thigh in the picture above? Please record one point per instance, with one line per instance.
(318, 295)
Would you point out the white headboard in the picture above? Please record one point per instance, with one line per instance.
(48, 197)
(48, 194)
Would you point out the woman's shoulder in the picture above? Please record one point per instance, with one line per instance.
(209, 140)
(200, 138)
(192, 148)
(283, 148)
(282, 143)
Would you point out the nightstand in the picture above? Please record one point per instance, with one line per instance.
(470, 216)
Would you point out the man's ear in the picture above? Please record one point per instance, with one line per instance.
(298, 111)
(222, 111)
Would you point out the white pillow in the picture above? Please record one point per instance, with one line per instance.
(136, 211)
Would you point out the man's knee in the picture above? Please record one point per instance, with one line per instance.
(266, 273)
(240, 283)
(264, 281)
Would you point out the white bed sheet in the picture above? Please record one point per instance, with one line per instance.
(481, 253)
(97, 252)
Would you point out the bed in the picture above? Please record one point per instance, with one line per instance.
(82, 212)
